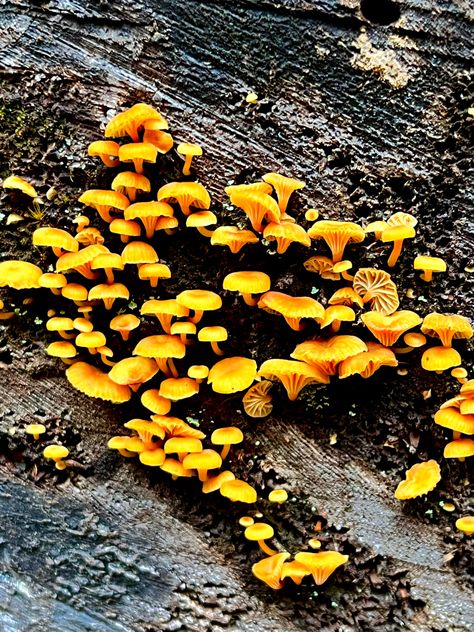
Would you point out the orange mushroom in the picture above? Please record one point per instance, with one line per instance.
(257, 206)
(177, 388)
(124, 324)
(152, 400)
(321, 565)
(94, 383)
(233, 237)
(130, 183)
(107, 150)
(247, 283)
(188, 150)
(19, 275)
(388, 329)
(226, 437)
(269, 570)
(203, 462)
(377, 288)
(108, 293)
(446, 327)
(148, 213)
(232, 375)
(367, 362)
(259, 532)
(420, 479)
(81, 261)
(153, 133)
(125, 229)
(186, 194)
(138, 153)
(214, 335)
(397, 234)
(292, 374)
(337, 235)
(129, 122)
(334, 315)
(292, 308)
(164, 310)
(139, 252)
(285, 234)
(327, 354)
(162, 348)
(284, 187)
(58, 240)
(54, 282)
(133, 372)
(199, 301)
(239, 491)
(104, 202)
(200, 220)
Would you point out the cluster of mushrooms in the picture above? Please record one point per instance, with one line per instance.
(119, 365)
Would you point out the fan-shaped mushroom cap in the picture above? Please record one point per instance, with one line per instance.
(285, 234)
(125, 229)
(152, 400)
(440, 358)
(465, 524)
(429, 265)
(148, 213)
(138, 153)
(214, 483)
(388, 329)
(107, 150)
(55, 238)
(292, 308)
(104, 201)
(446, 327)
(133, 371)
(459, 449)
(367, 362)
(232, 375)
(61, 349)
(129, 182)
(295, 571)
(257, 206)
(160, 346)
(283, 186)
(52, 281)
(326, 354)
(175, 468)
(89, 236)
(247, 282)
(124, 324)
(181, 445)
(420, 479)
(164, 310)
(202, 462)
(233, 237)
(322, 266)
(174, 427)
(153, 133)
(186, 194)
(75, 292)
(145, 429)
(334, 314)
(139, 252)
(81, 261)
(375, 286)
(337, 235)
(257, 402)
(128, 123)
(260, 187)
(200, 220)
(20, 275)
(15, 182)
(451, 418)
(239, 491)
(269, 570)
(178, 388)
(346, 296)
(321, 565)
(93, 382)
(293, 375)
(108, 293)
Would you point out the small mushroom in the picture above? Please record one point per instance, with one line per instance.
(188, 150)
(226, 437)
(259, 532)
(56, 453)
(36, 430)
(429, 265)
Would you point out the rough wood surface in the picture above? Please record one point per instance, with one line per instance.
(373, 118)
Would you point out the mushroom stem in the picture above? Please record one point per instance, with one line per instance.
(106, 361)
(265, 548)
(131, 193)
(66, 336)
(397, 248)
(335, 326)
(202, 475)
(205, 231)
(250, 300)
(294, 323)
(198, 314)
(104, 212)
(138, 164)
(55, 290)
(215, 347)
(456, 434)
(225, 451)
(153, 281)
(427, 275)
(110, 275)
(58, 251)
(124, 239)
(172, 367)
(187, 166)
(348, 277)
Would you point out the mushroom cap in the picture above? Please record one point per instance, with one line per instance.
(124, 322)
(402, 219)
(105, 291)
(257, 206)
(320, 265)
(83, 325)
(183, 328)
(19, 275)
(239, 491)
(459, 373)
(198, 371)
(133, 371)
(414, 339)
(259, 531)
(130, 180)
(59, 323)
(89, 236)
(55, 452)
(346, 296)
(260, 187)
(175, 427)
(367, 362)
(93, 382)
(246, 521)
(160, 346)
(135, 444)
(139, 252)
(291, 306)
(278, 181)
(176, 445)
(233, 237)
(205, 460)
(397, 233)
(336, 313)
(35, 429)
(75, 292)
(446, 327)
(459, 449)
(467, 406)
(175, 468)
(284, 232)
(91, 339)
(375, 286)
(199, 300)
(145, 429)
(388, 329)
(420, 479)
(124, 227)
(247, 282)
(140, 210)
(465, 524)
(15, 182)
(269, 570)
(376, 227)
(103, 148)
(468, 388)
(227, 436)
(295, 570)
(214, 483)
(132, 118)
(189, 149)
(176, 388)
(200, 219)
(278, 496)
(454, 420)
(434, 264)
(104, 198)
(334, 231)
(74, 260)
(166, 306)
(294, 375)
(232, 375)
(61, 349)
(342, 266)
(326, 354)
(321, 565)
(52, 280)
(153, 458)
(109, 260)
(186, 194)
(142, 151)
(154, 134)
(257, 402)
(154, 271)
(55, 238)
(440, 358)
(212, 334)
(152, 400)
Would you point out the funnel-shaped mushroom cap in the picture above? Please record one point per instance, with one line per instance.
(153, 133)
(80, 260)
(440, 358)
(346, 296)
(292, 308)
(269, 570)
(377, 288)
(420, 479)
(247, 282)
(283, 186)
(285, 234)
(205, 460)
(388, 329)
(465, 524)
(295, 571)
(106, 198)
(239, 491)
(152, 400)
(138, 153)
(233, 237)
(446, 327)
(145, 429)
(186, 194)
(293, 375)
(321, 265)
(108, 292)
(227, 436)
(321, 565)
(93, 382)
(451, 418)
(259, 531)
(257, 401)
(133, 371)
(199, 300)
(174, 427)
(335, 314)
(20, 275)
(138, 252)
(326, 354)
(128, 123)
(459, 449)
(160, 346)
(337, 235)
(15, 182)
(366, 363)
(232, 375)
(178, 388)
(257, 206)
(55, 238)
